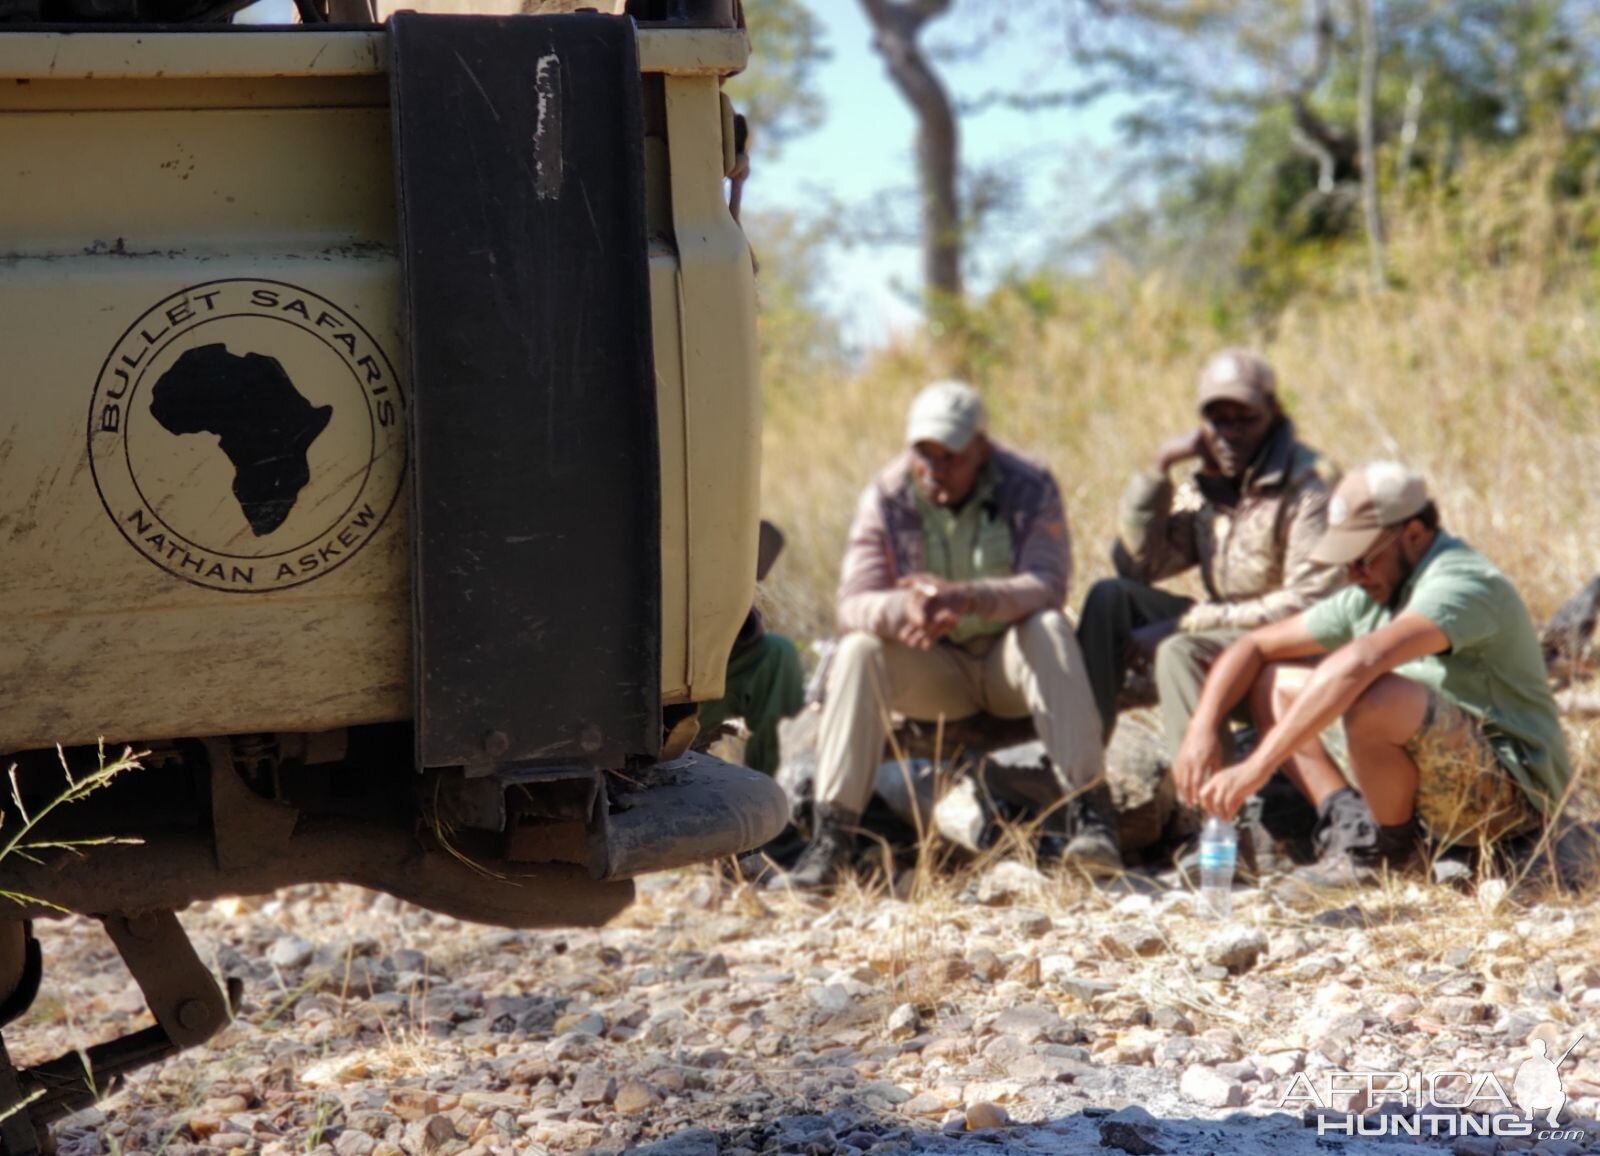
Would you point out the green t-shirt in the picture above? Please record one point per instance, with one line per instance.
(1494, 668)
(968, 544)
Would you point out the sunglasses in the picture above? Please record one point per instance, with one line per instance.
(1364, 563)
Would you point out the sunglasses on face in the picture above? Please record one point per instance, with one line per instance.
(1365, 563)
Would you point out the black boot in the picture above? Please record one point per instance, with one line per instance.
(1351, 846)
(1092, 840)
(825, 857)
(777, 854)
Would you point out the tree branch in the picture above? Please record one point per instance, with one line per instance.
(896, 24)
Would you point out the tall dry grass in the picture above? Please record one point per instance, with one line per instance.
(1477, 367)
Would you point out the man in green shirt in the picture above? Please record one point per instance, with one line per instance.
(1430, 662)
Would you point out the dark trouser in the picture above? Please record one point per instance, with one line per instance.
(1114, 609)
(765, 686)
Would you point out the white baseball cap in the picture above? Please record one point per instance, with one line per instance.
(948, 412)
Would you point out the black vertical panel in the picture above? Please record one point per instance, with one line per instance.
(519, 161)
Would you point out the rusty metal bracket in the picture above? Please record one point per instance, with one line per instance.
(78, 1079)
(249, 830)
(181, 991)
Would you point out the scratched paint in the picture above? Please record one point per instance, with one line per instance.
(547, 163)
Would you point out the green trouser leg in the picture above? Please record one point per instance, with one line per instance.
(765, 686)
(1114, 609)
(1182, 663)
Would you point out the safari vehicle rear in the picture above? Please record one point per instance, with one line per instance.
(379, 456)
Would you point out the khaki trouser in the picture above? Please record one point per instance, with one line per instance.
(1034, 668)
(1182, 663)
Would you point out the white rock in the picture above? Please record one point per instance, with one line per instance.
(290, 951)
(332, 1072)
(1236, 948)
(903, 1022)
(1280, 1064)
(1007, 881)
(1134, 905)
(831, 998)
(1210, 1087)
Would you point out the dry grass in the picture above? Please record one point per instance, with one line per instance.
(1479, 369)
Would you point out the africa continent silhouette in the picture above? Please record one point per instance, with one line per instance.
(265, 424)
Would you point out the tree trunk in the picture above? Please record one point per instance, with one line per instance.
(1367, 100)
(896, 25)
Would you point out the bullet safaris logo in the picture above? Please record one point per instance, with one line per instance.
(247, 435)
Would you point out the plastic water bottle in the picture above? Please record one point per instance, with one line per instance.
(1219, 848)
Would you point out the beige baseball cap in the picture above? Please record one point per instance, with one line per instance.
(1366, 503)
(1237, 375)
(948, 412)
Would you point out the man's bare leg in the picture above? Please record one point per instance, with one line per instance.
(1310, 768)
(1378, 725)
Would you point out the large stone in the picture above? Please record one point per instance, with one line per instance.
(1081, 988)
(433, 1137)
(1133, 1130)
(1210, 1087)
(829, 998)
(353, 1143)
(1170, 1019)
(1141, 783)
(984, 1114)
(594, 1086)
(904, 1022)
(1236, 948)
(290, 952)
(1008, 881)
(1028, 1022)
(635, 1096)
(1126, 938)
(1456, 1009)
(927, 1104)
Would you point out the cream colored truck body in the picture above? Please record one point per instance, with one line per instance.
(162, 191)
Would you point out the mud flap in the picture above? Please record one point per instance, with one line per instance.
(518, 148)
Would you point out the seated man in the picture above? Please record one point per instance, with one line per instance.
(956, 566)
(1432, 665)
(1247, 519)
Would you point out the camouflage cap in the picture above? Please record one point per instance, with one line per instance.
(1237, 375)
(1367, 502)
(948, 412)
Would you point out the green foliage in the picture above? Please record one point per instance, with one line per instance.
(799, 338)
(1248, 111)
(778, 92)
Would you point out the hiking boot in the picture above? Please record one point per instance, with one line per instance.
(825, 858)
(1345, 826)
(1091, 840)
(1352, 849)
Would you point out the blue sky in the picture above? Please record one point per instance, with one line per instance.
(1062, 157)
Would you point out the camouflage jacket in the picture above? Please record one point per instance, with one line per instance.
(886, 544)
(1254, 555)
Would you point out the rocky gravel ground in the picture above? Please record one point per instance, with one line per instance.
(1004, 1013)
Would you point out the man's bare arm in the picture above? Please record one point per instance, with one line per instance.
(1230, 679)
(1332, 689)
